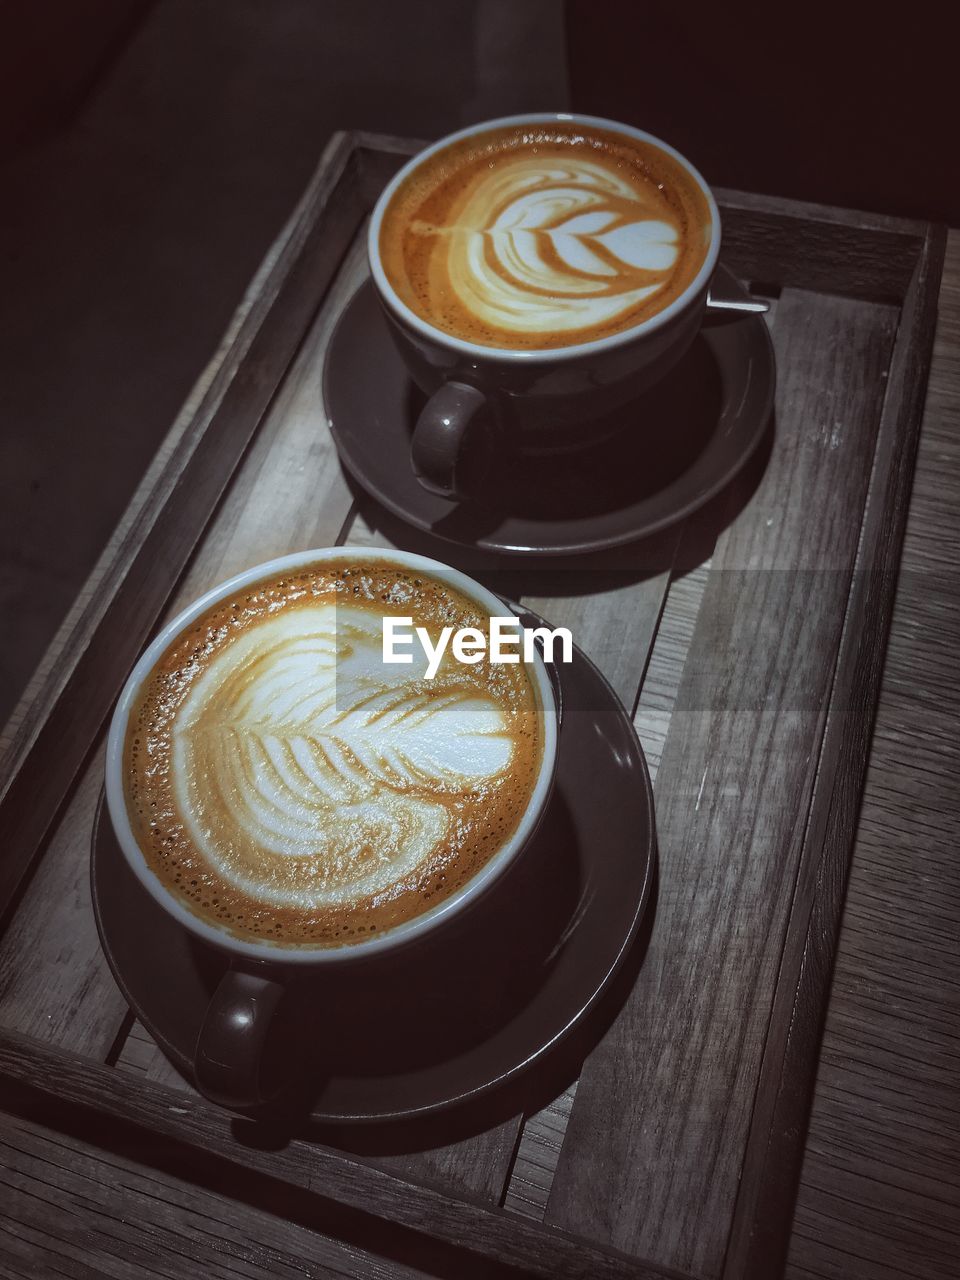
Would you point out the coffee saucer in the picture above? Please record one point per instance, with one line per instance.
(459, 1017)
(672, 449)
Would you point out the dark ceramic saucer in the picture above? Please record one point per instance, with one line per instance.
(450, 1019)
(673, 449)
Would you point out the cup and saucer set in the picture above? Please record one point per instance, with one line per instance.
(635, 382)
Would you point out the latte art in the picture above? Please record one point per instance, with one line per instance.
(306, 779)
(291, 784)
(562, 248)
(536, 239)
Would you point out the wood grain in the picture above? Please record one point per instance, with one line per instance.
(147, 1225)
(536, 1163)
(809, 246)
(732, 792)
(54, 981)
(613, 616)
(45, 1072)
(541, 1141)
(758, 1241)
(879, 1195)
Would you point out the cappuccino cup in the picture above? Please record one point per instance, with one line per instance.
(295, 798)
(537, 272)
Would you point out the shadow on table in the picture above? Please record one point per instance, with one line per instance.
(534, 575)
(535, 1089)
(466, 1014)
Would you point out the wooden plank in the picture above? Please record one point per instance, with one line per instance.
(476, 1166)
(140, 1055)
(137, 1049)
(732, 791)
(759, 1239)
(611, 608)
(51, 734)
(288, 495)
(537, 1155)
(661, 686)
(77, 1084)
(68, 1210)
(822, 214)
(542, 1138)
(807, 246)
(879, 1194)
(54, 982)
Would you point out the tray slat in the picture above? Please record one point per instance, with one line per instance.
(54, 981)
(543, 1133)
(677, 1073)
(809, 246)
(775, 1149)
(331, 1180)
(165, 1228)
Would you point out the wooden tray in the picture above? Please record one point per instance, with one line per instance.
(749, 643)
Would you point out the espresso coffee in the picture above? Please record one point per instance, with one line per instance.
(288, 785)
(535, 236)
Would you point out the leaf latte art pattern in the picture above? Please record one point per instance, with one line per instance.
(540, 234)
(310, 775)
(564, 247)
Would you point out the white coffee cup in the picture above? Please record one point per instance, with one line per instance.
(489, 403)
(238, 1019)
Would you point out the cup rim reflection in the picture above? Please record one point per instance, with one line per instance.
(549, 355)
(294, 954)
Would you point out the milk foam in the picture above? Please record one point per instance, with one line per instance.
(538, 235)
(311, 774)
(558, 247)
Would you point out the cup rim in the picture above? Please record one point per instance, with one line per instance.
(551, 355)
(390, 938)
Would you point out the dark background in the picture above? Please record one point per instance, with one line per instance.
(151, 149)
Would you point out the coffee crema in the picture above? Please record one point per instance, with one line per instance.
(545, 235)
(289, 786)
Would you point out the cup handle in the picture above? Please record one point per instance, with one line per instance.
(230, 1045)
(445, 439)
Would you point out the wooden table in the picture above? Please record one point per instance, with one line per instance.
(117, 1169)
(880, 1193)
